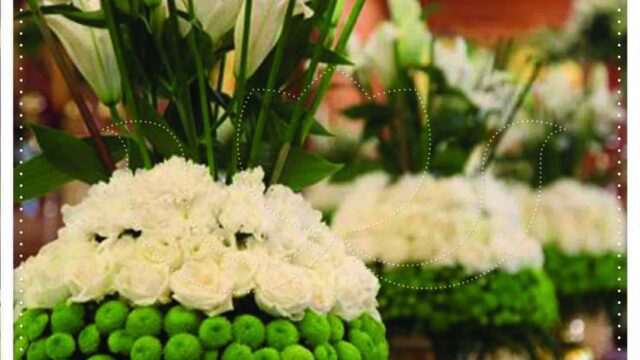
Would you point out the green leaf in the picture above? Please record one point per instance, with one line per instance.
(37, 177)
(329, 56)
(303, 169)
(158, 132)
(88, 18)
(319, 130)
(369, 110)
(70, 155)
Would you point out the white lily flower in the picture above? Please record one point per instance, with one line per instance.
(267, 20)
(90, 50)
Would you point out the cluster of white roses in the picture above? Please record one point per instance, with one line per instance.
(172, 232)
(574, 216)
(471, 222)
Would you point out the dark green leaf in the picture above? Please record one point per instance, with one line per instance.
(37, 177)
(329, 56)
(369, 110)
(158, 132)
(303, 169)
(70, 155)
(319, 130)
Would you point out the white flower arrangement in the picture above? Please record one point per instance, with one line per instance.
(471, 222)
(578, 218)
(172, 232)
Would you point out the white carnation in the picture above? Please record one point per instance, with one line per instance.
(143, 282)
(284, 290)
(356, 287)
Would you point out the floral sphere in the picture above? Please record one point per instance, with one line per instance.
(456, 221)
(171, 232)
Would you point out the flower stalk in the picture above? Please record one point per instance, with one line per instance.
(240, 90)
(116, 38)
(202, 89)
(273, 76)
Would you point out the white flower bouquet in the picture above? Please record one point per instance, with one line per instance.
(455, 261)
(582, 230)
(164, 258)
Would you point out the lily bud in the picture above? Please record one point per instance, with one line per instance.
(267, 20)
(91, 51)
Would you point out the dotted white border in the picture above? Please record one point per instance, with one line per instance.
(620, 179)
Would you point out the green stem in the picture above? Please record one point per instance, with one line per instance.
(73, 86)
(239, 96)
(271, 82)
(202, 89)
(116, 38)
(326, 79)
(513, 111)
(220, 82)
(183, 97)
(115, 116)
(323, 87)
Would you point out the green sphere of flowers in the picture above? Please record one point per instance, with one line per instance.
(146, 348)
(296, 352)
(347, 351)
(363, 343)
(179, 319)
(337, 327)
(60, 346)
(215, 332)
(315, 328)
(237, 351)
(32, 323)
(266, 354)
(144, 321)
(281, 333)
(20, 346)
(211, 355)
(120, 342)
(37, 350)
(89, 340)
(248, 330)
(101, 357)
(325, 352)
(183, 346)
(111, 316)
(67, 318)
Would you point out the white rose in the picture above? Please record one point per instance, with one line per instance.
(89, 277)
(284, 290)
(161, 251)
(241, 267)
(202, 285)
(356, 289)
(142, 282)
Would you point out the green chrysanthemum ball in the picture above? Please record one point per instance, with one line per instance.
(281, 333)
(181, 320)
(237, 351)
(67, 318)
(296, 352)
(111, 316)
(248, 330)
(183, 346)
(215, 332)
(315, 328)
(146, 348)
(144, 321)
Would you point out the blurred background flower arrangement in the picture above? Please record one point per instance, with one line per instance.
(470, 153)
